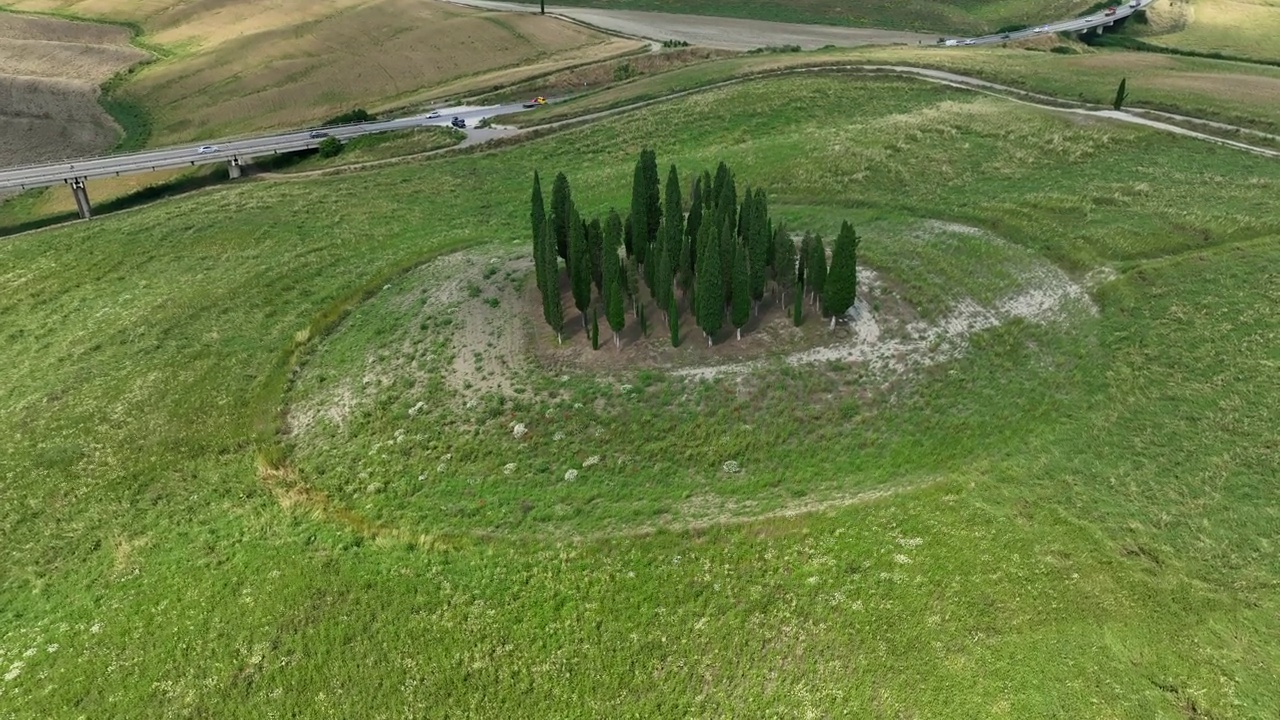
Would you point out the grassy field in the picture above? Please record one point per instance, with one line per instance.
(382, 146)
(1082, 521)
(235, 67)
(49, 75)
(966, 16)
(1230, 27)
(1237, 93)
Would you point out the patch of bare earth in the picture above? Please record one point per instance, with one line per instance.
(488, 343)
(888, 347)
(50, 71)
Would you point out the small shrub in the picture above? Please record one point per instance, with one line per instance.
(330, 147)
(674, 44)
(624, 71)
(358, 115)
(1064, 50)
(473, 290)
(775, 49)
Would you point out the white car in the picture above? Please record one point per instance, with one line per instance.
(970, 42)
(1042, 28)
(433, 114)
(951, 43)
(206, 149)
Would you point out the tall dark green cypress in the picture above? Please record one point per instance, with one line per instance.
(652, 193)
(816, 269)
(673, 320)
(797, 314)
(727, 245)
(740, 310)
(745, 215)
(595, 246)
(709, 196)
(709, 295)
(579, 265)
(684, 272)
(639, 218)
(561, 204)
(595, 327)
(758, 243)
(694, 222)
(842, 279)
(627, 240)
(538, 221)
(613, 261)
(784, 262)
(552, 307)
(673, 218)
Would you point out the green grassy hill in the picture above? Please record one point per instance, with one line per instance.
(1075, 517)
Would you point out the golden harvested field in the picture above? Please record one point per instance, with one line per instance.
(1243, 28)
(49, 75)
(245, 65)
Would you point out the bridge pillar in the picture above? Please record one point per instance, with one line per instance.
(233, 167)
(81, 194)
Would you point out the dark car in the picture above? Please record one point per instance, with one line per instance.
(1004, 36)
(319, 134)
(458, 122)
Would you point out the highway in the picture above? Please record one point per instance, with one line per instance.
(1098, 19)
(57, 173)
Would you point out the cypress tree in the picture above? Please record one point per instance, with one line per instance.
(537, 211)
(797, 314)
(595, 243)
(652, 193)
(673, 218)
(639, 219)
(579, 265)
(561, 207)
(722, 177)
(615, 310)
(758, 243)
(709, 282)
(784, 262)
(740, 311)
(673, 320)
(709, 196)
(694, 223)
(842, 279)
(664, 281)
(627, 240)
(632, 287)
(746, 214)
(728, 243)
(552, 308)
(685, 268)
(816, 268)
(762, 211)
(595, 327)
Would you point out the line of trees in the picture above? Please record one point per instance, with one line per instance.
(715, 258)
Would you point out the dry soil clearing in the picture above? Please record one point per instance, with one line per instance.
(244, 65)
(50, 71)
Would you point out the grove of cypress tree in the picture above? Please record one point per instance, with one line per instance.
(709, 282)
(673, 218)
(816, 268)
(561, 210)
(614, 279)
(842, 278)
(740, 311)
(579, 266)
(784, 262)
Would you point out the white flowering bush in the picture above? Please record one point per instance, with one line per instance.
(731, 466)
(593, 460)
(519, 430)
(571, 475)
(508, 468)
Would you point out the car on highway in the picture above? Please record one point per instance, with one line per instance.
(951, 43)
(433, 114)
(536, 102)
(458, 122)
(1135, 3)
(1042, 28)
(206, 149)
(317, 134)
(970, 41)
(1004, 36)
(1109, 11)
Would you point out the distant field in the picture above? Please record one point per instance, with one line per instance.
(240, 66)
(1236, 93)
(963, 16)
(1239, 28)
(1076, 520)
(49, 75)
